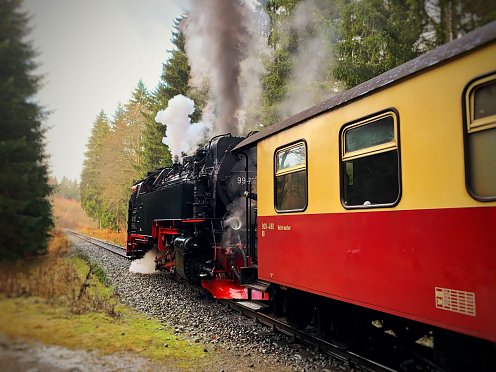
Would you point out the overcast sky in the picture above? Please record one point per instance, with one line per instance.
(92, 55)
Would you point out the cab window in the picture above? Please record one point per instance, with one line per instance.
(290, 189)
(480, 135)
(370, 173)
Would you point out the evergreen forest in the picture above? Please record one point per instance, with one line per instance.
(25, 210)
(317, 48)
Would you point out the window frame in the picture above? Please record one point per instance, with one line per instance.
(369, 151)
(290, 170)
(472, 125)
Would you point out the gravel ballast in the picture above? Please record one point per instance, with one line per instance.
(243, 343)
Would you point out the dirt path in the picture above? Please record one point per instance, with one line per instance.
(20, 356)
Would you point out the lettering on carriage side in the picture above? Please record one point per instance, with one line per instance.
(267, 226)
(456, 301)
(283, 227)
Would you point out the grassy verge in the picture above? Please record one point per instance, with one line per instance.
(61, 300)
(69, 214)
(105, 234)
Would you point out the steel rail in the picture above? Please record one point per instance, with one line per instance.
(114, 248)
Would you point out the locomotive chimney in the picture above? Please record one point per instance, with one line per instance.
(175, 159)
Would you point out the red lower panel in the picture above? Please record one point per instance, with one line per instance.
(435, 266)
(227, 289)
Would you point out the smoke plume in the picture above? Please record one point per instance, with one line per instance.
(224, 44)
(181, 135)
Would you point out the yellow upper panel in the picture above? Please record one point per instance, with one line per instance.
(429, 108)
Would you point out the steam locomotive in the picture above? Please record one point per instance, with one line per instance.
(373, 209)
(196, 214)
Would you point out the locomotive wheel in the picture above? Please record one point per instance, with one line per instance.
(299, 309)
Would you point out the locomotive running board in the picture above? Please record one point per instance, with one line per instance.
(255, 306)
(259, 285)
(227, 289)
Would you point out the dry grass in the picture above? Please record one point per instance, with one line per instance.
(106, 234)
(57, 280)
(60, 300)
(69, 214)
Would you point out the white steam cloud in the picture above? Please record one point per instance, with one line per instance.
(145, 265)
(311, 80)
(234, 222)
(182, 135)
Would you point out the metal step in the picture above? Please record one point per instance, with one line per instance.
(258, 285)
(255, 306)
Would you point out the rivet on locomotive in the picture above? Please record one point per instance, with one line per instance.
(196, 214)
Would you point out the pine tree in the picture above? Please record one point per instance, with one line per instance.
(138, 116)
(91, 191)
(377, 35)
(122, 156)
(450, 19)
(115, 170)
(283, 41)
(25, 211)
(299, 75)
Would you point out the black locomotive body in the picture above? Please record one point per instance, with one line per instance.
(195, 215)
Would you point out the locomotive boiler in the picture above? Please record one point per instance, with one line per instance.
(194, 213)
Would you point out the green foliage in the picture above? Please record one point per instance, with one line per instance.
(139, 115)
(91, 199)
(376, 36)
(283, 42)
(115, 160)
(25, 212)
(299, 75)
(279, 11)
(452, 18)
(274, 86)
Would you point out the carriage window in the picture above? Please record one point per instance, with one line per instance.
(370, 162)
(480, 101)
(291, 178)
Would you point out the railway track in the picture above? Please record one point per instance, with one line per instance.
(393, 356)
(350, 360)
(114, 248)
(309, 337)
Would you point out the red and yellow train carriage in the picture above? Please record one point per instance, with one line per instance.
(377, 206)
(384, 196)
